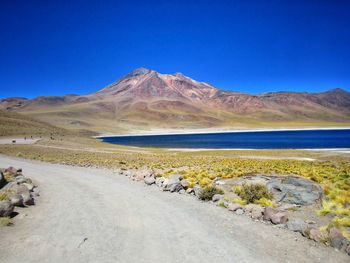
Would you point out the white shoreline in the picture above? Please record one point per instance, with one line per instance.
(185, 132)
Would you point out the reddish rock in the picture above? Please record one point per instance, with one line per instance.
(280, 217)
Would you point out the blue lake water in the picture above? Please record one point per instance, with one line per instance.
(296, 139)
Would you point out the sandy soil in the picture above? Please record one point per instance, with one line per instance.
(18, 141)
(96, 215)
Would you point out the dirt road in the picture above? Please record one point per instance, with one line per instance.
(96, 215)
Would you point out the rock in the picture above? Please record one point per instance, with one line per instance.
(297, 225)
(189, 191)
(234, 207)
(149, 180)
(295, 190)
(29, 186)
(159, 181)
(173, 183)
(257, 212)
(182, 191)
(20, 189)
(197, 189)
(310, 222)
(27, 199)
(268, 212)
(280, 217)
(336, 238)
(16, 200)
(185, 184)
(36, 192)
(317, 235)
(254, 211)
(249, 208)
(217, 197)
(239, 211)
(12, 170)
(6, 208)
(22, 179)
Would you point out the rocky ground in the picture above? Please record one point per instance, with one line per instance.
(292, 205)
(16, 192)
(96, 215)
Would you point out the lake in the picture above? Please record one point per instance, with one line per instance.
(292, 139)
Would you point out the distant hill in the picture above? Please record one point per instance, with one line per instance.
(147, 100)
(12, 123)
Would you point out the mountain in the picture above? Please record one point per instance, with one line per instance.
(147, 100)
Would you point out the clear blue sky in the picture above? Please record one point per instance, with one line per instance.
(58, 47)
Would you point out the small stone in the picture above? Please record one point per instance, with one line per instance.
(279, 218)
(234, 207)
(159, 181)
(149, 180)
(185, 184)
(197, 190)
(182, 191)
(239, 211)
(189, 190)
(297, 225)
(217, 197)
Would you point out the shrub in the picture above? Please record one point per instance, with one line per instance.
(208, 192)
(254, 192)
(239, 201)
(265, 202)
(222, 204)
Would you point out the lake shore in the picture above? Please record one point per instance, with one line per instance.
(210, 131)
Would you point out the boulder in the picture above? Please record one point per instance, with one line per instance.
(185, 184)
(36, 192)
(27, 199)
(318, 235)
(275, 216)
(295, 190)
(268, 212)
(280, 217)
(149, 180)
(257, 212)
(297, 225)
(21, 189)
(197, 189)
(22, 179)
(336, 238)
(6, 208)
(12, 170)
(249, 208)
(234, 207)
(173, 183)
(16, 200)
(217, 197)
(159, 181)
